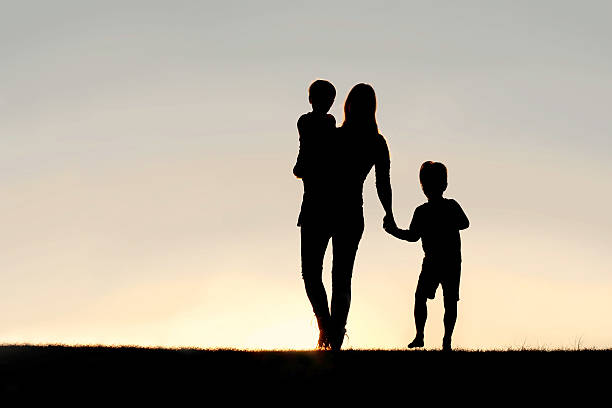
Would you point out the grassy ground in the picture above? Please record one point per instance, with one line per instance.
(61, 370)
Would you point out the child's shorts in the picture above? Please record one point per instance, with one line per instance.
(447, 274)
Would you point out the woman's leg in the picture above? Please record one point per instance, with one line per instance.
(314, 240)
(345, 242)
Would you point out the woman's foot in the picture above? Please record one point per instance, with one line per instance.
(323, 343)
(337, 338)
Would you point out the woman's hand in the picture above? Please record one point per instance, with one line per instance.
(389, 222)
(392, 229)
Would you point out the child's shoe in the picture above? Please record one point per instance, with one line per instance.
(417, 342)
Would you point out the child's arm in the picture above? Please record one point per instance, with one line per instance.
(411, 234)
(298, 169)
(405, 234)
(461, 218)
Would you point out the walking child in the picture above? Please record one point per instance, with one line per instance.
(437, 224)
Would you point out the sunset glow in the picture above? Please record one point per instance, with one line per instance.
(147, 153)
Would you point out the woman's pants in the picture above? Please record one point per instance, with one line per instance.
(345, 237)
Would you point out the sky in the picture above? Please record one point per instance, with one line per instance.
(147, 149)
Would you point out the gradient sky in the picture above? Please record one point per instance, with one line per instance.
(147, 148)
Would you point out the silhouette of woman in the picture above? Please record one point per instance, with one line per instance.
(355, 148)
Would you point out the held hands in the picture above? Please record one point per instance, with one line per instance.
(389, 225)
(403, 234)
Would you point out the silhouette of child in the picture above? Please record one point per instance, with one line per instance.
(437, 223)
(315, 129)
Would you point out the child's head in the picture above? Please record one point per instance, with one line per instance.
(321, 95)
(433, 178)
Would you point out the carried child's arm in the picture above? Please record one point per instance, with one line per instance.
(298, 169)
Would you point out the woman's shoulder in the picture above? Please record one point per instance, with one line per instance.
(381, 142)
(380, 138)
(361, 131)
(368, 139)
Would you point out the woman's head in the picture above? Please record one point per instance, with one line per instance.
(360, 107)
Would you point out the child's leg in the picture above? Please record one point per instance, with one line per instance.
(450, 317)
(450, 286)
(426, 287)
(420, 317)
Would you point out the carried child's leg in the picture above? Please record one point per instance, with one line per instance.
(420, 317)
(450, 317)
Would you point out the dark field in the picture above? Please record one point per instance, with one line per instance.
(35, 371)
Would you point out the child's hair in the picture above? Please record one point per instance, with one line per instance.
(321, 91)
(433, 177)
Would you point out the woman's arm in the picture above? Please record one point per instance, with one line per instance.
(382, 167)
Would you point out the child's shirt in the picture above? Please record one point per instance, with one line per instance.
(314, 129)
(437, 224)
(313, 163)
